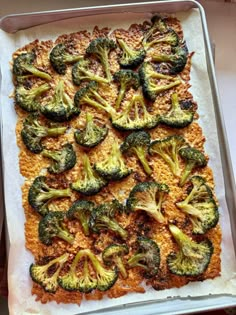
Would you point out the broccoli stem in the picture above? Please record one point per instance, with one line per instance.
(114, 226)
(66, 236)
(125, 47)
(51, 155)
(54, 132)
(88, 75)
(187, 171)
(105, 64)
(134, 261)
(53, 193)
(142, 158)
(163, 88)
(162, 58)
(68, 58)
(121, 267)
(37, 72)
(120, 95)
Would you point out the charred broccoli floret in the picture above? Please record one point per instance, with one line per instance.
(193, 158)
(131, 58)
(23, 64)
(138, 142)
(62, 160)
(92, 134)
(193, 258)
(147, 256)
(113, 166)
(102, 218)
(101, 47)
(61, 107)
(89, 182)
(177, 117)
(81, 210)
(200, 206)
(81, 72)
(60, 57)
(148, 197)
(114, 253)
(51, 226)
(126, 79)
(42, 275)
(33, 133)
(29, 99)
(150, 78)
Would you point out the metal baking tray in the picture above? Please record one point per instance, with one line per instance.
(171, 306)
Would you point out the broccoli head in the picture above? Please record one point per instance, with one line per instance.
(193, 258)
(126, 79)
(52, 226)
(60, 57)
(92, 134)
(200, 206)
(100, 48)
(42, 274)
(63, 160)
(148, 197)
(41, 194)
(131, 58)
(147, 256)
(138, 142)
(193, 158)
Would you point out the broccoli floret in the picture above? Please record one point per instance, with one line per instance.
(193, 258)
(200, 206)
(114, 253)
(29, 99)
(138, 142)
(81, 210)
(168, 148)
(42, 274)
(193, 158)
(131, 58)
(92, 134)
(177, 117)
(147, 257)
(61, 107)
(81, 72)
(135, 116)
(62, 160)
(90, 182)
(148, 78)
(60, 57)
(51, 226)
(23, 64)
(101, 47)
(40, 194)
(113, 166)
(148, 197)
(126, 79)
(102, 218)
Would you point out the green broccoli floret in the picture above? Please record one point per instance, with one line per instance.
(177, 117)
(193, 158)
(33, 133)
(29, 99)
(81, 72)
(62, 160)
(193, 258)
(61, 107)
(102, 218)
(131, 58)
(168, 148)
(100, 48)
(41, 194)
(60, 56)
(113, 254)
(200, 206)
(138, 142)
(23, 64)
(42, 274)
(92, 134)
(81, 210)
(51, 226)
(113, 167)
(148, 197)
(149, 77)
(126, 79)
(147, 257)
(90, 182)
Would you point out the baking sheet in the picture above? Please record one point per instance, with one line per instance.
(20, 299)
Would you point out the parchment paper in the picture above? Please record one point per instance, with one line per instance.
(20, 299)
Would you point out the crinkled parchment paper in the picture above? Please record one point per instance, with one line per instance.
(20, 299)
